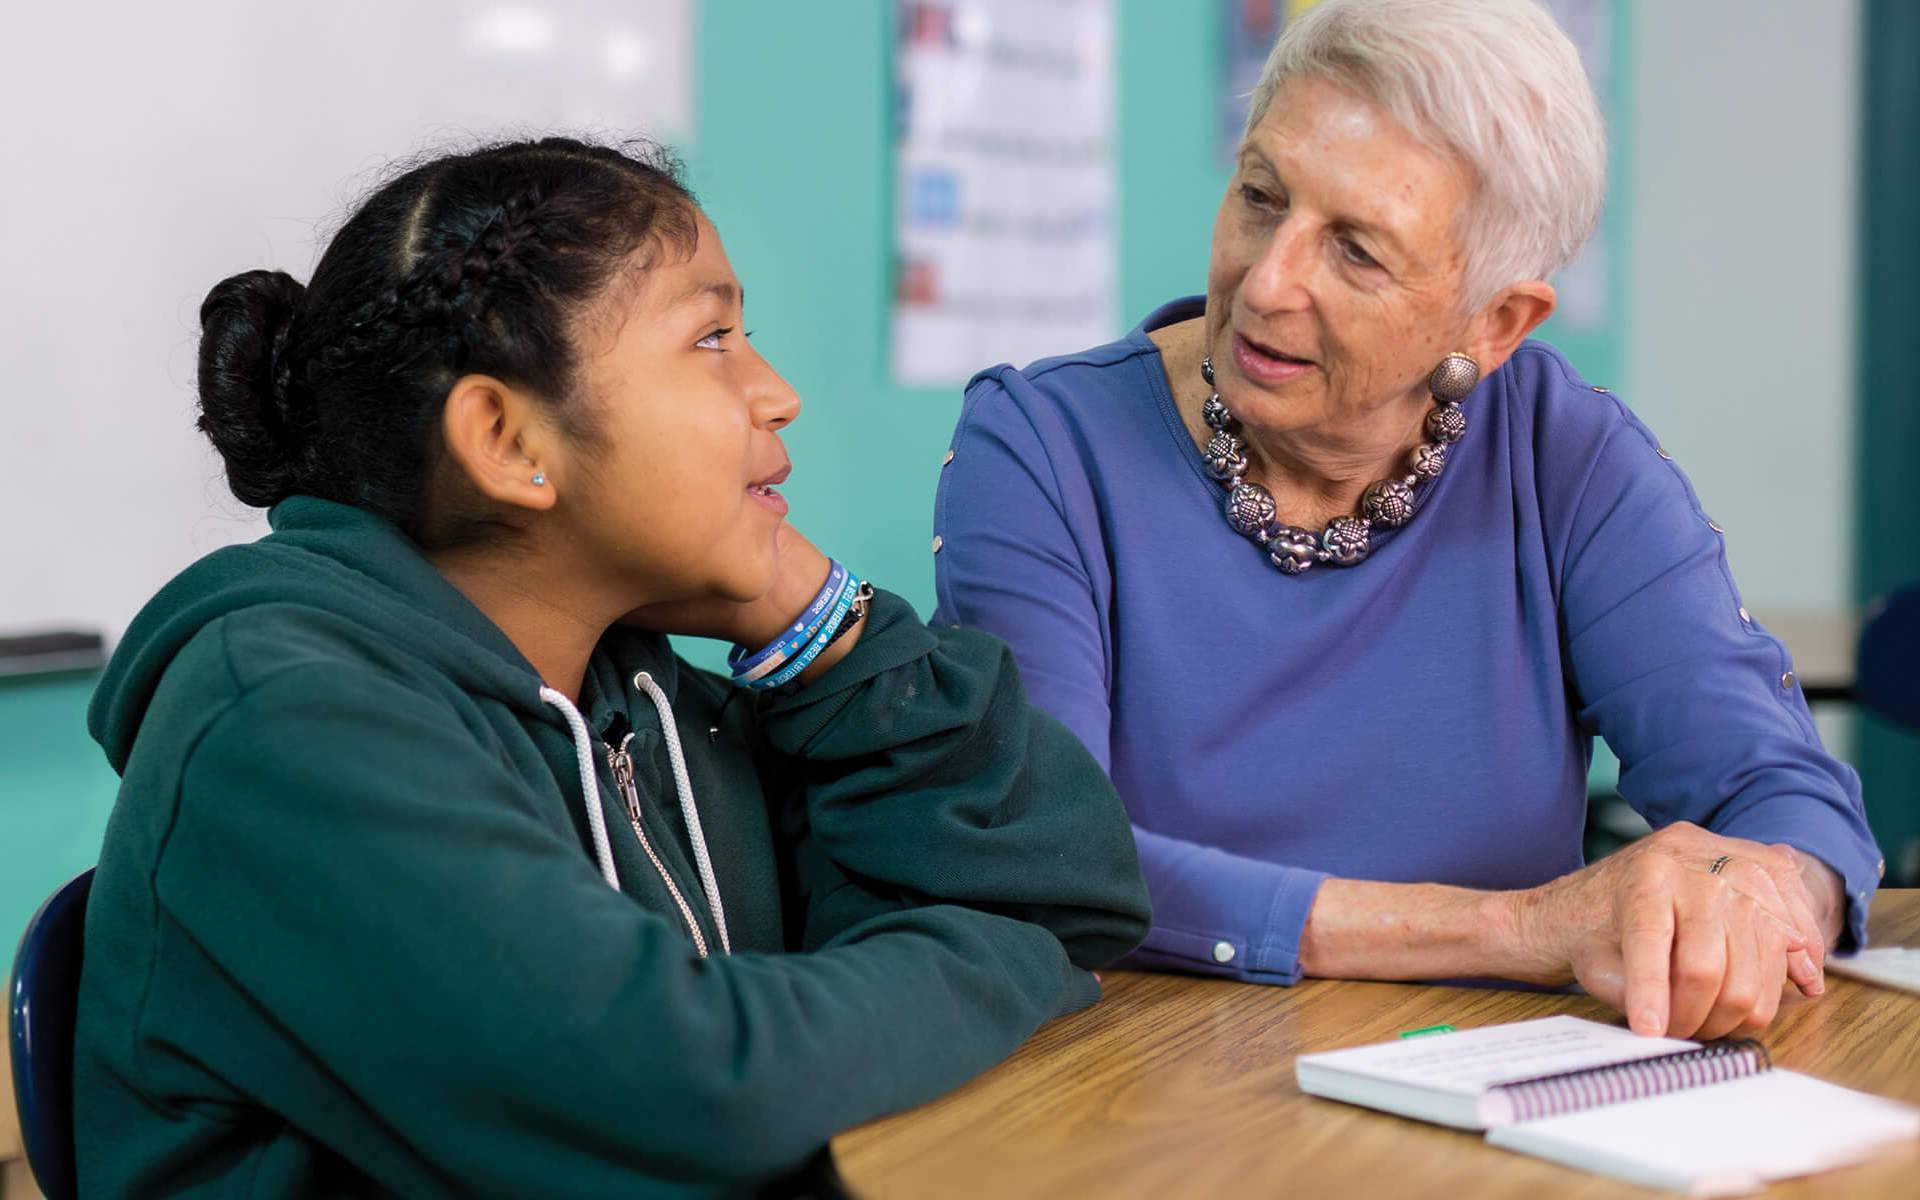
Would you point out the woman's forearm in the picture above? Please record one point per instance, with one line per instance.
(1358, 929)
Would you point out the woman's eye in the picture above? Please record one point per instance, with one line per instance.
(712, 341)
(1355, 255)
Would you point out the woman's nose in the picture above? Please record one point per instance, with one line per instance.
(1277, 281)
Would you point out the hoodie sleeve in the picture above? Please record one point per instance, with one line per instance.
(928, 776)
(403, 916)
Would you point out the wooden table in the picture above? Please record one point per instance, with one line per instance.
(1175, 1086)
(16, 1182)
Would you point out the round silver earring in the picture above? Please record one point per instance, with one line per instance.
(539, 479)
(1454, 377)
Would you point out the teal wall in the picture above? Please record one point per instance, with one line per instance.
(55, 792)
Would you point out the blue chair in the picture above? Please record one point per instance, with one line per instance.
(40, 1015)
(1888, 673)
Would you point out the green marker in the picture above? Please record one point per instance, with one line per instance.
(1423, 1032)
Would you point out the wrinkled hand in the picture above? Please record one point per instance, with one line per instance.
(799, 571)
(1681, 951)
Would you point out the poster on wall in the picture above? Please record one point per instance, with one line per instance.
(1005, 245)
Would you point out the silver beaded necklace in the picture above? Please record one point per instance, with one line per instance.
(1386, 504)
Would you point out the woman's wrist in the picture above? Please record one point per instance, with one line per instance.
(1828, 893)
(1359, 929)
(1527, 938)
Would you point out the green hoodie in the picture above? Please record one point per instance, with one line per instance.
(349, 936)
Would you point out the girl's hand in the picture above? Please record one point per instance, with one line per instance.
(799, 572)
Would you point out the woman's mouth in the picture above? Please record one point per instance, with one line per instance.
(1263, 364)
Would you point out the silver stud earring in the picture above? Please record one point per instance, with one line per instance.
(539, 479)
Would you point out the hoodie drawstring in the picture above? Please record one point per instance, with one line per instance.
(589, 783)
(683, 785)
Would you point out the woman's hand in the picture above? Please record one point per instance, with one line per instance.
(1679, 949)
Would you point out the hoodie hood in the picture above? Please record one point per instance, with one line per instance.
(327, 556)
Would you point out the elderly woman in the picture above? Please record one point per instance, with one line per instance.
(1339, 575)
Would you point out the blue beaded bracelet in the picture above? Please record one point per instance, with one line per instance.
(792, 670)
(748, 668)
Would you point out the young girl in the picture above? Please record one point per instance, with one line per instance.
(434, 872)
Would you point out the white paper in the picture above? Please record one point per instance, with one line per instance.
(1889, 966)
(1470, 1061)
(1721, 1139)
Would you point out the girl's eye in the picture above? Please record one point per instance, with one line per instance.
(712, 340)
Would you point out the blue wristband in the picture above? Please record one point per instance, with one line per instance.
(769, 658)
(791, 640)
(792, 670)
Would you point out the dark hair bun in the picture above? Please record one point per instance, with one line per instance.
(471, 263)
(246, 405)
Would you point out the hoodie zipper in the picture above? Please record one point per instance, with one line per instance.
(622, 764)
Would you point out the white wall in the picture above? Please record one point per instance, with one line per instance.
(149, 150)
(1740, 297)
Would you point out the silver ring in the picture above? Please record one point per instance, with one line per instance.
(1719, 863)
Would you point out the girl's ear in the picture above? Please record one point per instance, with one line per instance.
(498, 437)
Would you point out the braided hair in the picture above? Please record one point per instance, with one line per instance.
(466, 263)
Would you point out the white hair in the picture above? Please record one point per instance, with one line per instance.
(1492, 83)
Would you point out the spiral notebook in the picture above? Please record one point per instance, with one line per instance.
(1706, 1120)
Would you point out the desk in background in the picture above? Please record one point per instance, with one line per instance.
(1823, 646)
(1176, 1086)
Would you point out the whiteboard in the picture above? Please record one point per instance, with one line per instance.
(148, 151)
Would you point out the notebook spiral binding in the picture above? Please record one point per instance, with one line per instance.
(1573, 1091)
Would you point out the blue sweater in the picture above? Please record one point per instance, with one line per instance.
(1425, 716)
